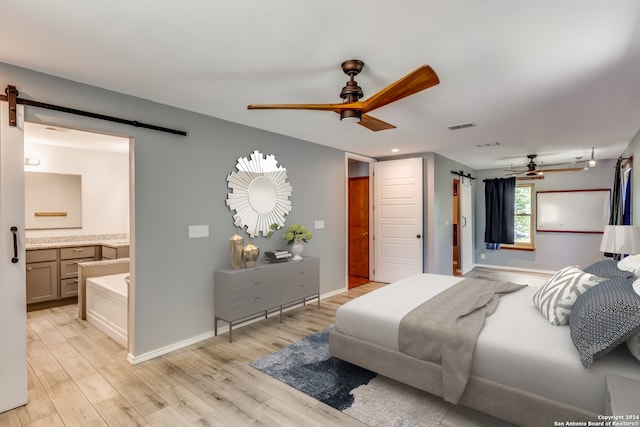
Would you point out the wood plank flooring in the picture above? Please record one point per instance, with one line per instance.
(78, 376)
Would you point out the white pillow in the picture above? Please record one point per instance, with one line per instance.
(636, 286)
(633, 344)
(630, 263)
(556, 296)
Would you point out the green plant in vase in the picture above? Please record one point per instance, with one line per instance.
(296, 235)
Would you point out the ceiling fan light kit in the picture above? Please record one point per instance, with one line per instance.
(352, 109)
(592, 162)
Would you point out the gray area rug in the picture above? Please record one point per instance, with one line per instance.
(373, 399)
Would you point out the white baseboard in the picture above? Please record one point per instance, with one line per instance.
(209, 334)
(134, 360)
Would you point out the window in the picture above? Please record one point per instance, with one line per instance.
(524, 218)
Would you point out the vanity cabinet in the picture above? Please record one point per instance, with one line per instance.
(240, 295)
(69, 260)
(115, 252)
(52, 274)
(42, 275)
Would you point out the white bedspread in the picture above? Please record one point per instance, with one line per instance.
(516, 347)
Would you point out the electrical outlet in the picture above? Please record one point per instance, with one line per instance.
(482, 255)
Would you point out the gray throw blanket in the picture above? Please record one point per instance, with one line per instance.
(445, 329)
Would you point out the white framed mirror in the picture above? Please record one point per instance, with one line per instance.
(260, 193)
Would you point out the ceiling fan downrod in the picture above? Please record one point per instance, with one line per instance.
(351, 92)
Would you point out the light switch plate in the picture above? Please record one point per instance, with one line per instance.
(318, 224)
(198, 231)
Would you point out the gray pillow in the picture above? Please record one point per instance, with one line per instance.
(603, 317)
(608, 269)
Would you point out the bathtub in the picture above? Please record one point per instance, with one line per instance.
(107, 305)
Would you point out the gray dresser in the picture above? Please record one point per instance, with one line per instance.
(240, 295)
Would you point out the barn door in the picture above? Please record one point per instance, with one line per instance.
(13, 299)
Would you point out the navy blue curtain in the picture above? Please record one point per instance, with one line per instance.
(500, 198)
(616, 212)
(615, 217)
(626, 213)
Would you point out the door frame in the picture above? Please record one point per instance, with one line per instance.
(351, 156)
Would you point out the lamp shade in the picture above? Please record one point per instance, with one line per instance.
(621, 239)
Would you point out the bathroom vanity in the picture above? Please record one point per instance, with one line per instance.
(52, 269)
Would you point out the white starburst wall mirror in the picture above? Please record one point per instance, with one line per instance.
(260, 194)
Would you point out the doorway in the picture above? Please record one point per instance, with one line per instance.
(358, 221)
(103, 164)
(455, 222)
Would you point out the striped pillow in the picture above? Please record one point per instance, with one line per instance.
(556, 296)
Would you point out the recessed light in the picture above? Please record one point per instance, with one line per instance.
(395, 150)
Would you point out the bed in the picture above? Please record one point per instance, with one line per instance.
(524, 370)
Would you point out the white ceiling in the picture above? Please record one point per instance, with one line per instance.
(549, 77)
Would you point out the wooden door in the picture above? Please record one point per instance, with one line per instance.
(358, 232)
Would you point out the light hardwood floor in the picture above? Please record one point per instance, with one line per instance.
(80, 377)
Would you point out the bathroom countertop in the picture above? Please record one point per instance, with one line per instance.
(116, 243)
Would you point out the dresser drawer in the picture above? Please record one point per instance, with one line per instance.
(300, 290)
(247, 278)
(301, 281)
(78, 252)
(250, 307)
(245, 292)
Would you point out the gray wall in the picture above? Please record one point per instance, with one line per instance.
(441, 261)
(181, 181)
(553, 250)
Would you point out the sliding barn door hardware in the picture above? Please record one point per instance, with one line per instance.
(12, 98)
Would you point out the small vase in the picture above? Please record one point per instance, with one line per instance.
(236, 244)
(296, 250)
(250, 254)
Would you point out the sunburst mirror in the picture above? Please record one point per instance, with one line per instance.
(260, 194)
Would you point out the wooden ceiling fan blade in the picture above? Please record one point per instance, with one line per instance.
(572, 169)
(418, 80)
(374, 124)
(322, 107)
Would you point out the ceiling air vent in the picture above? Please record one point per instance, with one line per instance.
(461, 126)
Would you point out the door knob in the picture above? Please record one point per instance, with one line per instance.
(418, 236)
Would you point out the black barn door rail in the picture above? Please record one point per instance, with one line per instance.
(12, 98)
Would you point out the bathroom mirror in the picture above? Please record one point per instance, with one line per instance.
(52, 200)
(259, 193)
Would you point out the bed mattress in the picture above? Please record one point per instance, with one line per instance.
(516, 347)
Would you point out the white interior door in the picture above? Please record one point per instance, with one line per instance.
(13, 299)
(397, 219)
(466, 225)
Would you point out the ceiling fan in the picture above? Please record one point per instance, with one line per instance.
(353, 109)
(532, 168)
